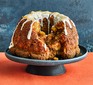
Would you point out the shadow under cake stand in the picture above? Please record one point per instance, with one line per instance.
(46, 67)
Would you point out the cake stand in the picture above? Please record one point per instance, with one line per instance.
(46, 67)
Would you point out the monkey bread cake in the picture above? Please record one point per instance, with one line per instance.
(45, 35)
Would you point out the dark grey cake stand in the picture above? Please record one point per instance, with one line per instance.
(46, 67)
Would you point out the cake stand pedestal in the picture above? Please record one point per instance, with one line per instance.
(46, 70)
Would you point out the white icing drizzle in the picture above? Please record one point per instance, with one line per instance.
(39, 15)
(65, 31)
(73, 23)
(45, 46)
(30, 31)
(60, 17)
(69, 23)
(24, 24)
(41, 23)
(11, 43)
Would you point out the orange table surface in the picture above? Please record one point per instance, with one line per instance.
(79, 73)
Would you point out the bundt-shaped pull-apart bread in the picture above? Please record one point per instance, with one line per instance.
(45, 35)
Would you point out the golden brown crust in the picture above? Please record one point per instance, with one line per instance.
(43, 47)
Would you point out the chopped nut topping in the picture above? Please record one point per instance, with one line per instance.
(42, 33)
(55, 58)
(54, 29)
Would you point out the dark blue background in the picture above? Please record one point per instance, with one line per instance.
(80, 11)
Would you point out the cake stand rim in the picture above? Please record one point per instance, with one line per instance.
(46, 62)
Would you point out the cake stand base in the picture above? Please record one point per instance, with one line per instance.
(46, 70)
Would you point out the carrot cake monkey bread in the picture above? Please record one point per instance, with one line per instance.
(45, 35)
